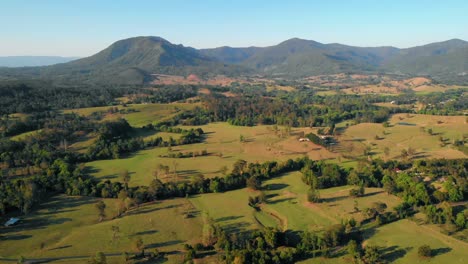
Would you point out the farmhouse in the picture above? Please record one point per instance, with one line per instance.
(12, 221)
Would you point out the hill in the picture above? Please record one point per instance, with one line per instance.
(130, 61)
(25, 61)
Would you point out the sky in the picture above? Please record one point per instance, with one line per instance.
(84, 27)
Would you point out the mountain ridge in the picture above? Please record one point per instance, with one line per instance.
(134, 60)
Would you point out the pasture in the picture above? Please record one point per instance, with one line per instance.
(287, 199)
(143, 113)
(224, 148)
(407, 131)
(68, 228)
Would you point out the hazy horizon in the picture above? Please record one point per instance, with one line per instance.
(80, 29)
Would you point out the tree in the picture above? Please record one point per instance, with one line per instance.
(313, 195)
(386, 151)
(115, 232)
(208, 233)
(372, 254)
(430, 131)
(404, 154)
(100, 258)
(21, 260)
(253, 183)
(353, 250)
(241, 138)
(239, 167)
(411, 151)
(223, 170)
(101, 207)
(425, 251)
(140, 246)
(460, 220)
(125, 178)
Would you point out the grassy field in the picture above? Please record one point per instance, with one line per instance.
(145, 113)
(402, 239)
(25, 135)
(407, 131)
(224, 146)
(288, 200)
(69, 227)
(231, 210)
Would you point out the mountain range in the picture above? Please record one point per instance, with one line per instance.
(134, 60)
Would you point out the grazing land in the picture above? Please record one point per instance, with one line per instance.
(69, 227)
(408, 131)
(137, 115)
(260, 144)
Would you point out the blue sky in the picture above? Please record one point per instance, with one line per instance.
(83, 27)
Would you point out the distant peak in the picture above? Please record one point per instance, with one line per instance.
(300, 41)
(143, 39)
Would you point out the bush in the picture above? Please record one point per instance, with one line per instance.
(425, 251)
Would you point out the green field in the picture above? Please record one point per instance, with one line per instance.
(406, 131)
(224, 148)
(25, 135)
(231, 210)
(289, 202)
(69, 227)
(402, 239)
(145, 113)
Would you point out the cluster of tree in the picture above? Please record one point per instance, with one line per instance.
(450, 102)
(115, 139)
(320, 175)
(60, 176)
(38, 96)
(416, 191)
(321, 111)
(165, 94)
(444, 214)
(316, 139)
(46, 145)
(273, 246)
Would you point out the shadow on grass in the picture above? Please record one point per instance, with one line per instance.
(394, 252)
(148, 232)
(344, 197)
(280, 200)
(62, 247)
(236, 227)
(275, 186)
(440, 251)
(228, 218)
(143, 210)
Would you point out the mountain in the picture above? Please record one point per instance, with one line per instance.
(25, 61)
(135, 60)
(298, 58)
(445, 61)
(130, 61)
